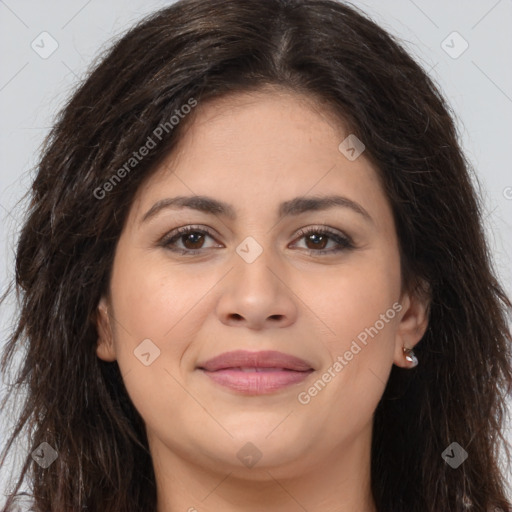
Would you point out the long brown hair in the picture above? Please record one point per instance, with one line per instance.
(203, 50)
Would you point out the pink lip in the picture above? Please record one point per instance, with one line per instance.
(271, 370)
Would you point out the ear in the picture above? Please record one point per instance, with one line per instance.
(413, 322)
(105, 345)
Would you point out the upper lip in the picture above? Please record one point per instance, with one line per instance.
(260, 359)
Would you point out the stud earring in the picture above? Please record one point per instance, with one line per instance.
(411, 357)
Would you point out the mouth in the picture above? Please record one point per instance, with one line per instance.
(255, 373)
(257, 381)
(256, 369)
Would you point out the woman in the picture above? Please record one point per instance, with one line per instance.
(248, 278)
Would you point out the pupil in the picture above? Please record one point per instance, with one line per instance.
(190, 238)
(315, 239)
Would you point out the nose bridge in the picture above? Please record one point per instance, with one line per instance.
(256, 291)
(257, 265)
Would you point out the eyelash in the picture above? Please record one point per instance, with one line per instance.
(344, 242)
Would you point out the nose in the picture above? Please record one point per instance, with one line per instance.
(258, 295)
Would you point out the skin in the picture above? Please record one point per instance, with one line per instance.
(254, 151)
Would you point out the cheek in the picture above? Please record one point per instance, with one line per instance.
(357, 298)
(157, 394)
(153, 299)
(358, 309)
(159, 304)
(361, 319)
(166, 304)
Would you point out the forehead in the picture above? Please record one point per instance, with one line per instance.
(254, 150)
(243, 121)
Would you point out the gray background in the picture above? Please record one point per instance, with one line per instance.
(477, 83)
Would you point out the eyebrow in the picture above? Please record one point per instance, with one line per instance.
(294, 206)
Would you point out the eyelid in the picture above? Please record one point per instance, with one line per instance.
(324, 228)
(183, 230)
(343, 241)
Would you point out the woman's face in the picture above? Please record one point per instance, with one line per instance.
(247, 279)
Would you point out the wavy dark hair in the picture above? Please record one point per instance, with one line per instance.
(205, 50)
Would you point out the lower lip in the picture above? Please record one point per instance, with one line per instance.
(257, 383)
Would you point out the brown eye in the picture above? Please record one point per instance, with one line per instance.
(317, 239)
(191, 238)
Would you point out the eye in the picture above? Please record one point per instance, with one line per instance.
(317, 238)
(191, 237)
